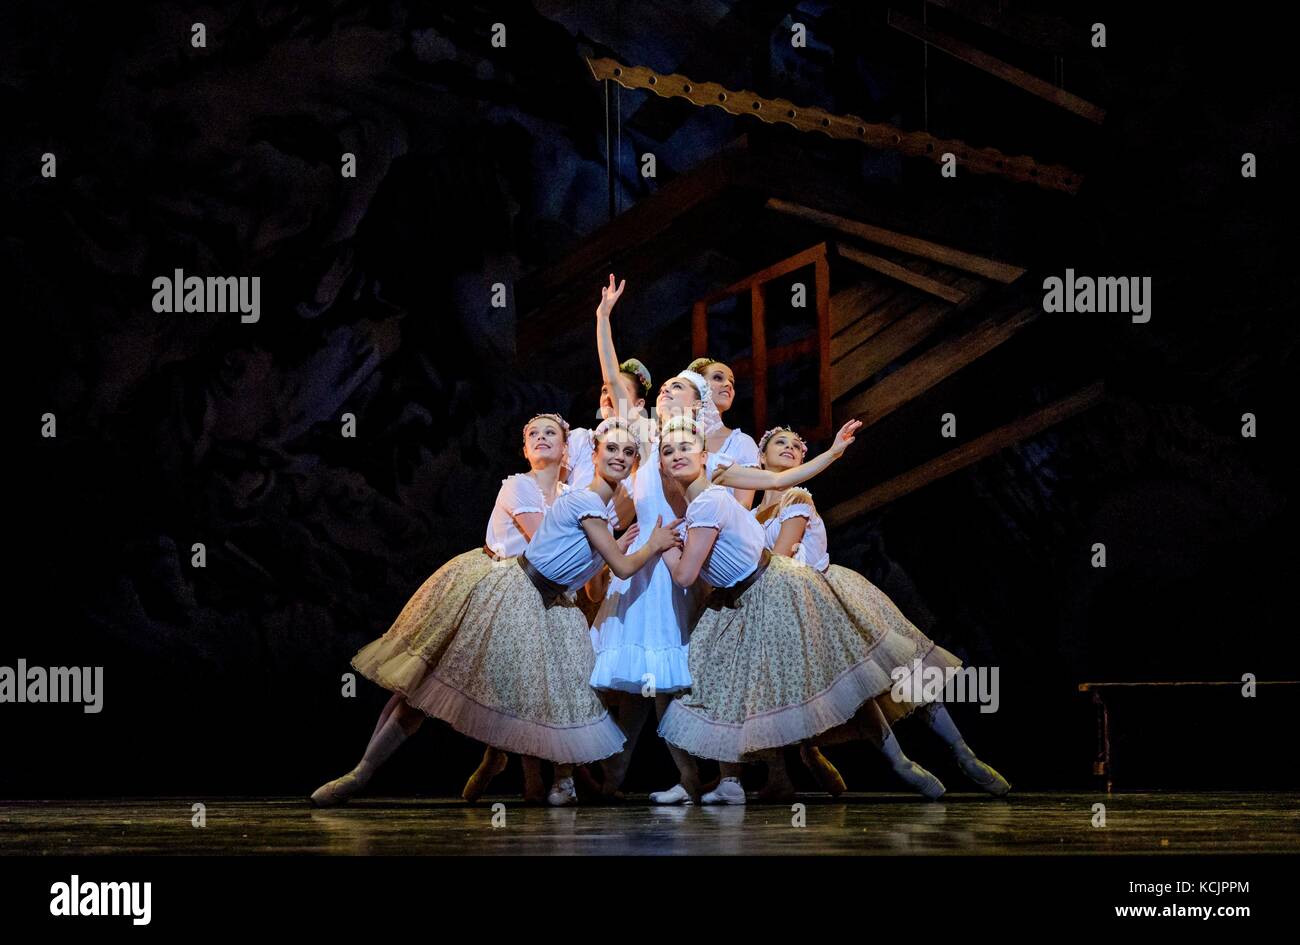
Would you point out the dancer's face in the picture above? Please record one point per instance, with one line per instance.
(615, 455)
(543, 442)
(723, 382)
(626, 388)
(682, 456)
(677, 396)
(783, 451)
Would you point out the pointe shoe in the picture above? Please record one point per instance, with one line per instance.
(919, 780)
(728, 791)
(562, 793)
(676, 794)
(339, 791)
(493, 763)
(981, 774)
(826, 773)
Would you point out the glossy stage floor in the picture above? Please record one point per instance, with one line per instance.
(854, 824)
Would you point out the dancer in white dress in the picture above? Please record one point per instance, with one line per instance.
(640, 631)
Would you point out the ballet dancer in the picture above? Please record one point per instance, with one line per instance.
(793, 528)
(639, 634)
(775, 658)
(723, 440)
(401, 658)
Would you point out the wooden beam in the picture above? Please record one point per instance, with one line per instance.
(902, 274)
(844, 127)
(807, 257)
(907, 324)
(644, 220)
(849, 306)
(993, 66)
(1032, 29)
(963, 456)
(822, 277)
(758, 312)
(803, 348)
(869, 326)
(913, 246)
(928, 369)
(541, 318)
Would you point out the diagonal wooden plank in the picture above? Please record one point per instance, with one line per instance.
(849, 306)
(912, 245)
(965, 455)
(905, 331)
(926, 370)
(994, 66)
(902, 274)
(1024, 25)
(847, 342)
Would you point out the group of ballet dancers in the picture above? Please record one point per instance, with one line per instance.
(555, 639)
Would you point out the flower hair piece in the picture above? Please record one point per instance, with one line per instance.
(617, 423)
(699, 364)
(640, 372)
(682, 424)
(762, 443)
(560, 421)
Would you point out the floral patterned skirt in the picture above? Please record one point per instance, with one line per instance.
(402, 657)
(515, 674)
(876, 611)
(789, 662)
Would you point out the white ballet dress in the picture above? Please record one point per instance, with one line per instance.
(641, 629)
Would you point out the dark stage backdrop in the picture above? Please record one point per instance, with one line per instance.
(477, 166)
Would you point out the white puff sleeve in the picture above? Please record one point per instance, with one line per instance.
(519, 494)
(705, 511)
(796, 503)
(795, 510)
(586, 504)
(576, 446)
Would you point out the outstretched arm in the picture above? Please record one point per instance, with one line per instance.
(605, 334)
(748, 477)
(661, 539)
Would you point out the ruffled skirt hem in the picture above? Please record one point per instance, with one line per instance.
(563, 744)
(687, 727)
(632, 668)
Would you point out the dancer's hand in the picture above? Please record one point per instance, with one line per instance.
(608, 296)
(625, 540)
(845, 437)
(664, 536)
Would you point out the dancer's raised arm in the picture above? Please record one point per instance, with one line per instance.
(747, 477)
(609, 363)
